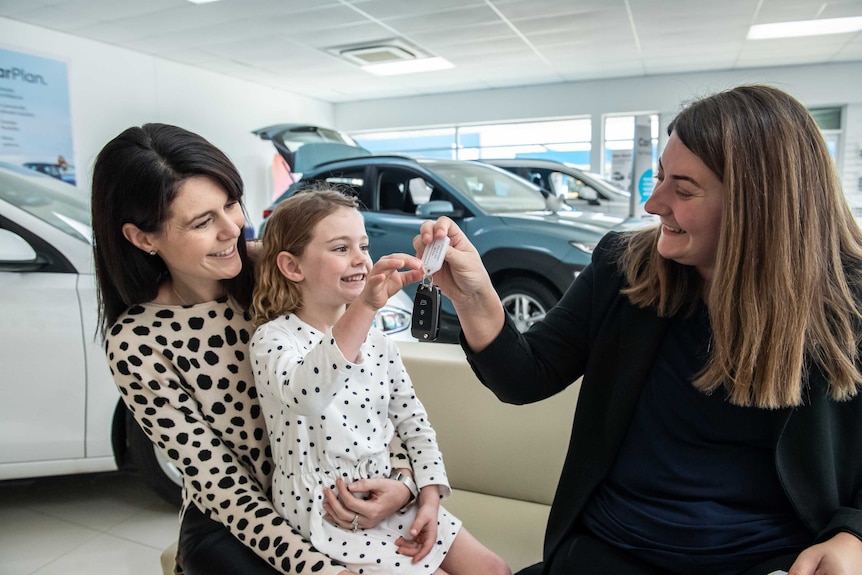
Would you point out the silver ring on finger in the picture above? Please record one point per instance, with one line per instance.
(355, 523)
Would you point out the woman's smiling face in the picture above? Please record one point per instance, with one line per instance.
(199, 240)
(689, 200)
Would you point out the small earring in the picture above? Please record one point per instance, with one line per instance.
(152, 252)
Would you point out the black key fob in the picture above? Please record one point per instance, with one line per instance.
(426, 313)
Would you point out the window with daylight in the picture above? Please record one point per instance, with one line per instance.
(829, 120)
(561, 140)
(428, 143)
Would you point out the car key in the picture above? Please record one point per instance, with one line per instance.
(426, 313)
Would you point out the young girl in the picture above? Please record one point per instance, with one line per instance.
(334, 391)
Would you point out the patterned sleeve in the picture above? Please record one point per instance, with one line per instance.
(398, 456)
(411, 423)
(303, 377)
(216, 463)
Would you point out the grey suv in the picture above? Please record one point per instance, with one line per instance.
(531, 243)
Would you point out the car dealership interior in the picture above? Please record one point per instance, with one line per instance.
(569, 81)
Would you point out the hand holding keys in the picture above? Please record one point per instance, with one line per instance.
(426, 305)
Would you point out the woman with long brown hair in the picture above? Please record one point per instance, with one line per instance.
(719, 423)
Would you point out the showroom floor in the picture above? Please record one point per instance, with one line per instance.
(95, 524)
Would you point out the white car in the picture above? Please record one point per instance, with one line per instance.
(60, 411)
(582, 190)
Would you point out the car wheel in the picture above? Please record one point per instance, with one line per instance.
(525, 300)
(156, 470)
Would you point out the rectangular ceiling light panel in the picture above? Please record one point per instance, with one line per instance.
(805, 28)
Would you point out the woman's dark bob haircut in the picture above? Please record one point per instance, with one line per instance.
(135, 179)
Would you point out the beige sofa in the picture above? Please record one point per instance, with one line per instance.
(503, 460)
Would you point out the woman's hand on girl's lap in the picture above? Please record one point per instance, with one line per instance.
(840, 555)
(385, 497)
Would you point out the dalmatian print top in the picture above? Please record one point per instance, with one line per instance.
(184, 374)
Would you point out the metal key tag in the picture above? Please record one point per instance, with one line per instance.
(426, 313)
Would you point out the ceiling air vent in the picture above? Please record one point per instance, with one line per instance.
(381, 52)
(377, 55)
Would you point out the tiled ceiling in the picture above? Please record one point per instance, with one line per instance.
(492, 43)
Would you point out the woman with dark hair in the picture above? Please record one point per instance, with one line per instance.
(174, 284)
(718, 429)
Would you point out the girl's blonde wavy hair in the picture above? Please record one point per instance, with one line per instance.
(290, 228)
(784, 299)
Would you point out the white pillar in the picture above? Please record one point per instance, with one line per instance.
(642, 175)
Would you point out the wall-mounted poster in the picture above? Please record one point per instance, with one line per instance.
(35, 117)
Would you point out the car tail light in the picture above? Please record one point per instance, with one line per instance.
(267, 212)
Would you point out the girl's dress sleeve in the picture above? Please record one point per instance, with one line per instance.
(216, 463)
(304, 376)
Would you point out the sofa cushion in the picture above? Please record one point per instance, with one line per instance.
(513, 451)
(511, 528)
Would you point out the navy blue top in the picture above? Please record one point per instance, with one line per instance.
(694, 486)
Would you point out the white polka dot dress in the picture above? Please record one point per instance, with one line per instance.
(328, 418)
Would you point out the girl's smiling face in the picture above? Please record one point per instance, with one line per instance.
(335, 263)
(689, 200)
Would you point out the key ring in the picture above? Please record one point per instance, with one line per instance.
(427, 280)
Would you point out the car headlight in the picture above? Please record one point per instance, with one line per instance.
(391, 320)
(583, 246)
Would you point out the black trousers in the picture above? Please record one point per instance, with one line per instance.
(586, 555)
(207, 547)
